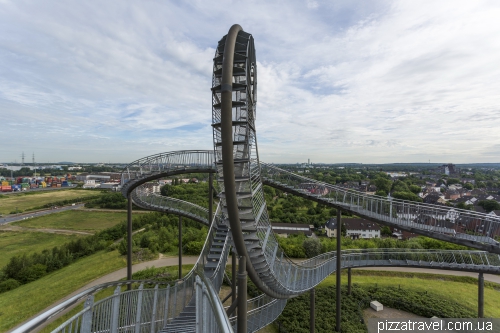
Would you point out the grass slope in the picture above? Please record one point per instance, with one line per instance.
(458, 289)
(80, 220)
(30, 200)
(14, 243)
(19, 304)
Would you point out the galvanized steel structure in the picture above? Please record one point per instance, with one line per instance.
(241, 221)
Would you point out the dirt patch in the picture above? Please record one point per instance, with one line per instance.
(9, 227)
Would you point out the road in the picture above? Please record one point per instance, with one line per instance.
(172, 261)
(23, 216)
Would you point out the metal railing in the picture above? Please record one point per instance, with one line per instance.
(170, 162)
(153, 201)
(456, 225)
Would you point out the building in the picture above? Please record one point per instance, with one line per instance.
(355, 228)
(285, 229)
(402, 234)
(90, 183)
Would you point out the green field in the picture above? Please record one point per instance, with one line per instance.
(29, 200)
(19, 304)
(81, 220)
(447, 287)
(13, 243)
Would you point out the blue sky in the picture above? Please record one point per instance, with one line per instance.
(339, 81)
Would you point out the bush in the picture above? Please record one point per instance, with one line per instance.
(312, 247)
(194, 247)
(9, 285)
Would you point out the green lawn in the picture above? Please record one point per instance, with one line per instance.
(448, 287)
(75, 220)
(19, 304)
(13, 243)
(29, 200)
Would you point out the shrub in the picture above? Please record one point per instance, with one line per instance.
(9, 285)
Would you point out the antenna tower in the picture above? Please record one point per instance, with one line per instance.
(22, 156)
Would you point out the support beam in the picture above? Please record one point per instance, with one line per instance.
(349, 281)
(233, 276)
(129, 240)
(242, 296)
(480, 296)
(180, 247)
(210, 197)
(312, 311)
(338, 270)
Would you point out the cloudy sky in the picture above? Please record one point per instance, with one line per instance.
(339, 81)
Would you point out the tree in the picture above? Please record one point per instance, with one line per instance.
(469, 186)
(383, 184)
(452, 181)
(415, 189)
(385, 231)
(312, 247)
(407, 196)
(489, 205)
(381, 193)
(462, 205)
(400, 186)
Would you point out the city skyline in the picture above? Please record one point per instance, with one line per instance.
(349, 82)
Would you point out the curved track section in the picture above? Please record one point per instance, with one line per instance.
(243, 209)
(235, 143)
(165, 164)
(453, 225)
(144, 197)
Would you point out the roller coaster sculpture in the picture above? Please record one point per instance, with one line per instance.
(241, 223)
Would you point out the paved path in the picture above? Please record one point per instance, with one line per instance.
(27, 215)
(8, 227)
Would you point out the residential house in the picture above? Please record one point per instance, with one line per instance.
(355, 228)
(451, 194)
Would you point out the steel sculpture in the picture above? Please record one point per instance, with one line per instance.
(241, 220)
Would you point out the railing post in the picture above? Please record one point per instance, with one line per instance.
(115, 314)
(153, 315)
(210, 198)
(167, 300)
(338, 270)
(312, 312)
(242, 296)
(129, 239)
(180, 247)
(349, 281)
(480, 296)
(139, 309)
(87, 316)
(199, 301)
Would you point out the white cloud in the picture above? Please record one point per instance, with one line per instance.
(338, 82)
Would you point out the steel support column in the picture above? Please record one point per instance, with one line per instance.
(338, 270)
(312, 310)
(233, 276)
(180, 247)
(349, 281)
(129, 239)
(242, 296)
(480, 296)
